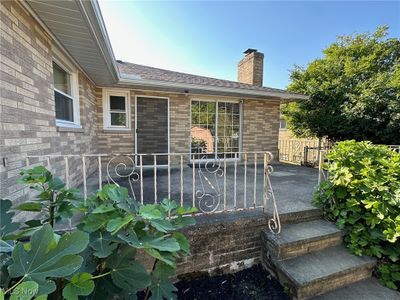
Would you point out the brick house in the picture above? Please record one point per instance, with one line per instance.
(63, 92)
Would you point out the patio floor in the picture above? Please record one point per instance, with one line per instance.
(293, 187)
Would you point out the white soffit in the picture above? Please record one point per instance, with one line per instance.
(79, 27)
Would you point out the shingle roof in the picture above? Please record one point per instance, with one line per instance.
(130, 70)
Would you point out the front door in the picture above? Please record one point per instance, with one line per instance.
(152, 129)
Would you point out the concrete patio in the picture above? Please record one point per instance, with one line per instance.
(293, 187)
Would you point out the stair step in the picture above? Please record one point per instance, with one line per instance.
(302, 215)
(319, 272)
(302, 238)
(369, 289)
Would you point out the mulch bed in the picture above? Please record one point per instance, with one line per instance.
(254, 283)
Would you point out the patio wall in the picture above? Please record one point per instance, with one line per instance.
(27, 108)
(220, 244)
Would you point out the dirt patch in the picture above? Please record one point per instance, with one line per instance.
(254, 283)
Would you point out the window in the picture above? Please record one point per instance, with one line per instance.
(66, 96)
(62, 94)
(282, 124)
(215, 129)
(116, 106)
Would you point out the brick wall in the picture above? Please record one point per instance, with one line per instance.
(251, 68)
(220, 244)
(27, 108)
(260, 126)
(223, 243)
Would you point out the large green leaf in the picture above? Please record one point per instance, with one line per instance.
(166, 257)
(6, 224)
(80, 285)
(151, 211)
(163, 290)
(116, 224)
(161, 243)
(6, 246)
(102, 244)
(162, 225)
(127, 273)
(103, 208)
(30, 206)
(25, 291)
(46, 259)
(168, 205)
(113, 192)
(131, 238)
(182, 241)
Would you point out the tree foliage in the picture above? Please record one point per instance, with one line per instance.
(354, 91)
(98, 260)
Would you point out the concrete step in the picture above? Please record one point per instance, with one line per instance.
(369, 289)
(319, 272)
(301, 215)
(302, 238)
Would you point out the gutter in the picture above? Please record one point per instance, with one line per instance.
(186, 86)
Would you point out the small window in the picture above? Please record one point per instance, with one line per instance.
(62, 94)
(283, 124)
(117, 110)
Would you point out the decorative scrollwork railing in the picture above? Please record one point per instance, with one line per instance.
(232, 182)
(122, 167)
(274, 223)
(209, 200)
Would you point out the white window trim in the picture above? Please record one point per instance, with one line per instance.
(107, 111)
(72, 71)
(216, 101)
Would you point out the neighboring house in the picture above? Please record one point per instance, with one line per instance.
(63, 92)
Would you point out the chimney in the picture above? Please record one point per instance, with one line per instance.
(250, 68)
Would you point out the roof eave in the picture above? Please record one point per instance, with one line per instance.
(94, 18)
(194, 88)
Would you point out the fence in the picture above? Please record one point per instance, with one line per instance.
(231, 182)
(301, 152)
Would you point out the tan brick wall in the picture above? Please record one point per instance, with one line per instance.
(260, 126)
(259, 132)
(27, 108)
(111, 141)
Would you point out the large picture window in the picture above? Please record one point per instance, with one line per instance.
(215, 129)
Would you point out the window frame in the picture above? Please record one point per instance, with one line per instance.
(62, 62)
(217, 101)
(107, 110)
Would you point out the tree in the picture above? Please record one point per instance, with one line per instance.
(354, 91)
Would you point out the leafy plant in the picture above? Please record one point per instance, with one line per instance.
(362, 194)
(102, 258)
(52, 199)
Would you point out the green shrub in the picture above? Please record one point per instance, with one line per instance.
(362, 194)
(98, 260)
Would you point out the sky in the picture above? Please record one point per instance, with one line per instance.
(208, 37)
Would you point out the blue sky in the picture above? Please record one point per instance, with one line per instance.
(208, 38)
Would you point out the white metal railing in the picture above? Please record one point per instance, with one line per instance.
(213, 186)
(395, 148)
(303, 152)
